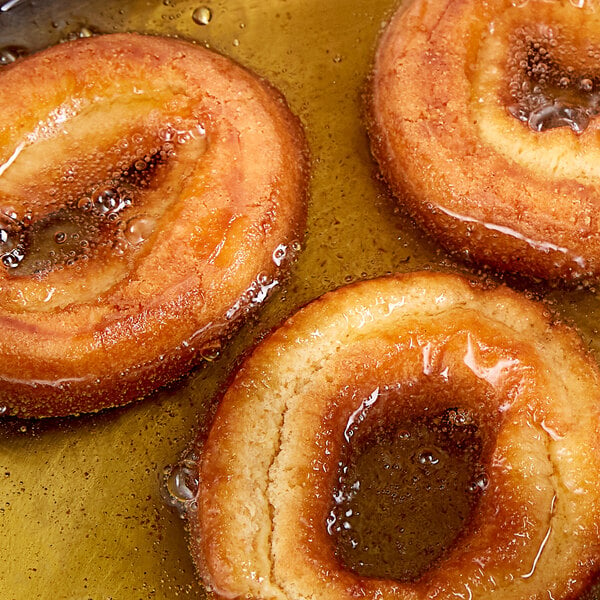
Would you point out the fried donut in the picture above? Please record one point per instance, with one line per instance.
(483, 121)
(151, 192)
(416, 348)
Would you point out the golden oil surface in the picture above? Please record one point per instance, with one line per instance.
(405, 495)
(81, 515)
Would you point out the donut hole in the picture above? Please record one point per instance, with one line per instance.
(549, 84)
(407, 488)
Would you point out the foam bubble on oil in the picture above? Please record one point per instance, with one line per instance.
(548, 88)
(202, 15)
(180, 484)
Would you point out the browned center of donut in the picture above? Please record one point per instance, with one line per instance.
(553, 80)
(106, 215)
(103, 217)
(405, 492)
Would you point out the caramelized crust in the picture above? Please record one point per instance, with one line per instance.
(268, 466)
(483, 118)
(178, 180)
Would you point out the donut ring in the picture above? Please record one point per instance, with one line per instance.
(123, 266)
(269, 465)
(482, 118)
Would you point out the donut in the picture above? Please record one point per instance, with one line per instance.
(482, 117)
(377, 386)
(152, 193)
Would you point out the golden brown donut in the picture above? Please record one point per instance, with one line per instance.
(483, 120)
(150, 193)
(384, 352)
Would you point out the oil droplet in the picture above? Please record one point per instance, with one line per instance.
(587, 85)
(84, 204)
(85, 32)
(279, 254)
(558, 114)
(211, 351)
(202, 15)
(180, 485)
(60, 237)
(427, 457)
(107, 200)
(3, 410)
(9, 54)
(138, 230)
(13, 259)
(479, 484)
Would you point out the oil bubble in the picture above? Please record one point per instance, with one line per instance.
(202, 15)
(180, 485)
(427, 457)
(6, 239)
(138, 230)
(166, 134)
(264, 279)
(84, 204)
(211, 351)
(9, 54)
(479, 484)
(85, 32)
(107, 200)
(13, 259)
(559, 114)
(279, 254)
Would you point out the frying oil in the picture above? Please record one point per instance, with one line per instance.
(81, 512)
(405, 494)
